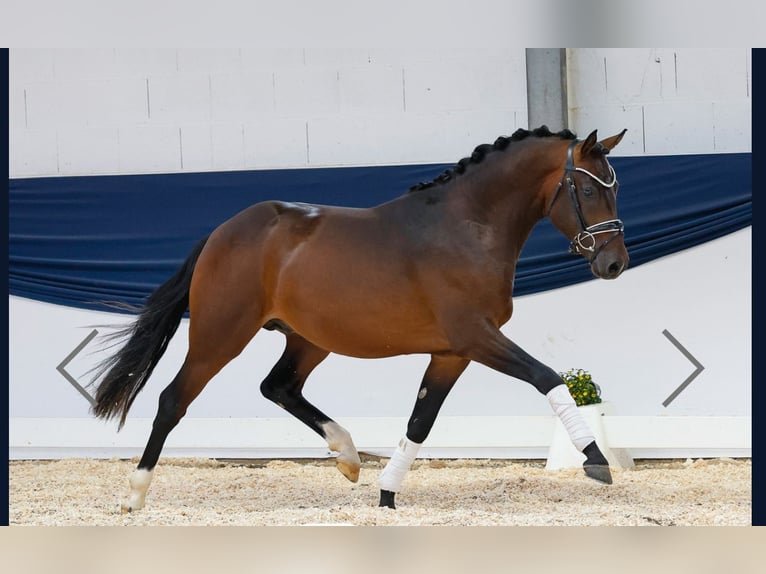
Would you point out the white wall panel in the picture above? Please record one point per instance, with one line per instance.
(150, 149)
(31, 65)
(273, 95)
(228, 146)
(356, 139)
(335, 57)
(143, 62)
(85, 63)
(371, 90)
(116, 102)
(280, 100)
(17, 105)
(204, 60)
(242, 97)
(273, 59)
(586, 78)
(384, 93)
(275, 142)
(52, 105)
(447, 87)
(633, 77)
(32, 152)
(409, 137)
(678, 127)
(80, 149)
(306, 92)
(712, 74)
(732, 129)
(688, 97)
(179, 98)
(197, 147)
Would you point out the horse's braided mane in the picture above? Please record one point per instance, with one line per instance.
(482, 150)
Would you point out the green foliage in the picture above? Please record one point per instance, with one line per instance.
(581, 386)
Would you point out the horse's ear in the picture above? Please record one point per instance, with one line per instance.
(587, 145)
(610, 143)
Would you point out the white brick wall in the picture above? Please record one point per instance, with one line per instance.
(673, 101)
(145, 110)
(165, 110)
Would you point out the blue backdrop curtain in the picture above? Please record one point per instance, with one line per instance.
(79, 241)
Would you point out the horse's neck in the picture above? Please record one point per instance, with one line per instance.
(506, 197)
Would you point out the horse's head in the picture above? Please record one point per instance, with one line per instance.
(583, 206)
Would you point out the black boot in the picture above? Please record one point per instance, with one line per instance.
(596, 466)
(387, 499)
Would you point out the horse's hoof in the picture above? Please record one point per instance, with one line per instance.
(599, 472)
(387, 499)
(132, 504)
(349, 469)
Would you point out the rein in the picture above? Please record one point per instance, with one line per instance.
(585, 241)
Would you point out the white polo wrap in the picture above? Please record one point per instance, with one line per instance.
(566, 409)
(392, 476)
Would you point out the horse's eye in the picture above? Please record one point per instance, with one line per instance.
(587, 191)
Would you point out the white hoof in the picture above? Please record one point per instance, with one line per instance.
(339, 440)
(139, 484)
(349, 465)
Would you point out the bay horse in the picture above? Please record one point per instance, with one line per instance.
(430, 271)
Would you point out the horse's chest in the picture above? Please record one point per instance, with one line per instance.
(495, 290)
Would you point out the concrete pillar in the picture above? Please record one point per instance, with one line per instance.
(547, 88)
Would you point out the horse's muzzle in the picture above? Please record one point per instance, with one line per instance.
(608, 265)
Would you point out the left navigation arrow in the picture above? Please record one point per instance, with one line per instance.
(72, 381)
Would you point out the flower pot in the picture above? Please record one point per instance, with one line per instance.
(563, 454)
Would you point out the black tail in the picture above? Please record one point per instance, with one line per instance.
(148, 336)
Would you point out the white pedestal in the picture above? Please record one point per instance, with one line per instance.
(563, 454)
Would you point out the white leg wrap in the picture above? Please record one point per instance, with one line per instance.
(566, 409)
(392, 476)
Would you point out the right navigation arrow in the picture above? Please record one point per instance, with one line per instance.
(690, 378)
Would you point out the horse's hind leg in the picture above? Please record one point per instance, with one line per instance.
(173, 403)
(284, 386)
(439, 378)
(209, 351)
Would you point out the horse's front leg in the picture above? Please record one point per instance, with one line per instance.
(438, 380)
(485, 344)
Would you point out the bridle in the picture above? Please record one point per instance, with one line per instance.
(585, 241)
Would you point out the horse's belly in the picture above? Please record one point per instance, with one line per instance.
(365, 343)
(366, 331)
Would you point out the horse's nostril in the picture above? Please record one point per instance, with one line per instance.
(615, 269)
